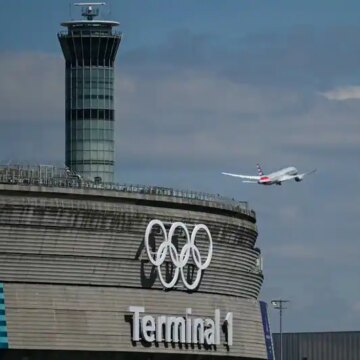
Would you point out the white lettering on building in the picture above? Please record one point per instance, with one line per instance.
(180, 329)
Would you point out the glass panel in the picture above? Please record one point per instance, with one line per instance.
(108, 155)
(94, 103)
(78, 104)
(79, 134)
(87, 114)
(95, 146)
(86, 73)
(94, 155)
(86, 134)
(94, 134)
(79, 156)
(86, 49)
(100, 104)
(94, 169)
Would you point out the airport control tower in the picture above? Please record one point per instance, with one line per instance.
(90, 46)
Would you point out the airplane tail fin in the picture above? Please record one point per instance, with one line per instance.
(259, 170)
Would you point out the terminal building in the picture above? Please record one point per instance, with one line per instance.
(341, 345)
(90, 269)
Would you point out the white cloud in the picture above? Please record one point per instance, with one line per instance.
(221, 120)
(327, 126)
(197, 91)
(199, 116)
(343, 93)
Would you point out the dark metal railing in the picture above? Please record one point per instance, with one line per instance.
(52, 176)
(93, 33)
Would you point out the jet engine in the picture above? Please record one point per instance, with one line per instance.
(299, 178)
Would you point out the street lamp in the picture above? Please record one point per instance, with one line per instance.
(279, 305)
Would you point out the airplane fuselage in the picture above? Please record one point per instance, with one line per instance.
(274, 178)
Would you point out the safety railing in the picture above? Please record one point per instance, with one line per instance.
(92, 33)
(52, 176)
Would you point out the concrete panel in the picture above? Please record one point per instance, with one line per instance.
(96, 318)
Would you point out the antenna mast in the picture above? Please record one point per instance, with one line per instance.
(90, 9)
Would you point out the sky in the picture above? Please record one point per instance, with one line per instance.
(205, 86)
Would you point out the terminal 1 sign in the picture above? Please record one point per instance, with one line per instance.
(185, 329)
(181, 329)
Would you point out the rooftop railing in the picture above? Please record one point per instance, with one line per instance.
(93, 33)
(52, 176)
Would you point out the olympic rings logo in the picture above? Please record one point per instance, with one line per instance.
(179, 259)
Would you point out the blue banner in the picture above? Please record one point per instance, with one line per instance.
(267, 332)
(4, 341)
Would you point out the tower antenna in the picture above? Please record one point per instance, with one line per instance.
(88, 9)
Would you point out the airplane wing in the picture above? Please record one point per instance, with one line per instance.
(301, 176)
(309, 172)
(286, 177)
(292, 177)
(247, 177)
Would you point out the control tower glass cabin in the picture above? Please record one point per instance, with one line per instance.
(90, 46)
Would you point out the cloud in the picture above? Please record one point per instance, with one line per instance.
(343, 93)
(200, 115)
(223, 121)
(302, 57)
(32, 87)
(195, 91)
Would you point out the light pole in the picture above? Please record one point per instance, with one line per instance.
(279, 305)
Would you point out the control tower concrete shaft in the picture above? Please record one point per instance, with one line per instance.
(90, 46)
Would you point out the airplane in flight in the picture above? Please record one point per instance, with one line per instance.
(274, 178)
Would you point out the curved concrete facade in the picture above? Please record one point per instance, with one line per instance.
(72, 262)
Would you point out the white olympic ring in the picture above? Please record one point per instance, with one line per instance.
(179, 260)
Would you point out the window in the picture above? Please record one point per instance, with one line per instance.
(79, 134)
